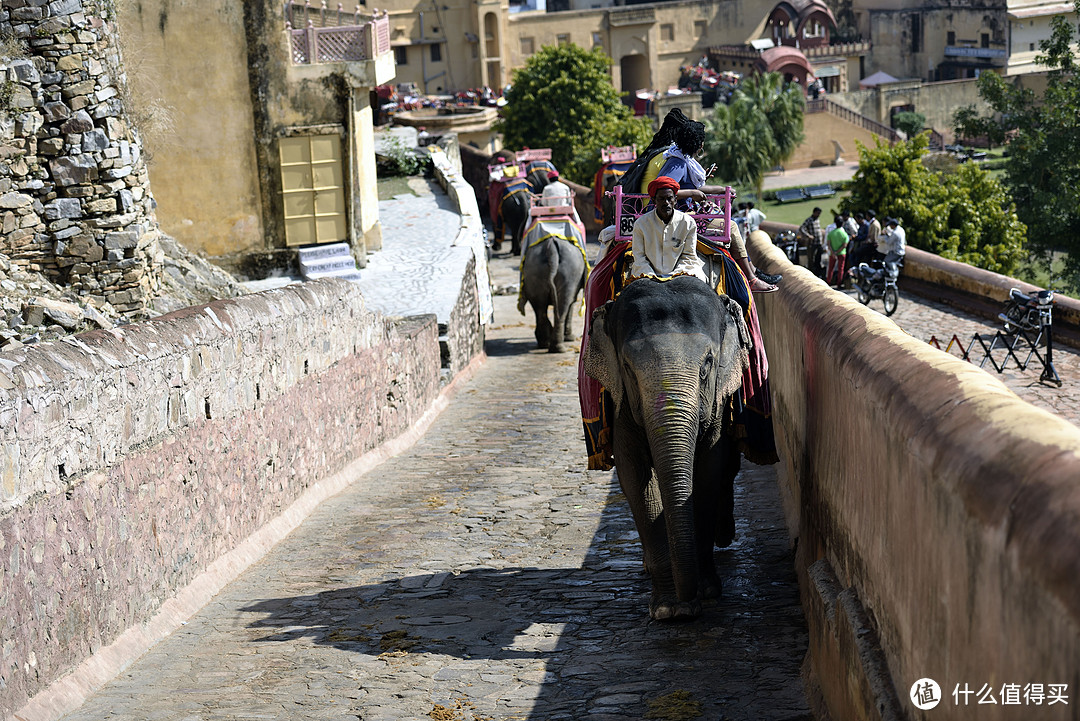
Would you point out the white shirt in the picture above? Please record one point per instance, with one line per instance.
(893, 241)
(754, 218)
(663, 249)
(558, 193)
(851, 227)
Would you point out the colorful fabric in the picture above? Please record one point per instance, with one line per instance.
(597, 407)
(662, 182)
(612, 171)
(751, 407)
(510, 187)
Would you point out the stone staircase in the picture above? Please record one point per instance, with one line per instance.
(326, 261)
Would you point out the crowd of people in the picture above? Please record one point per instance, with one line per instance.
(852, 239)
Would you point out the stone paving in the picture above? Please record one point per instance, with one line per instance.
(484, 574)
(923, 318)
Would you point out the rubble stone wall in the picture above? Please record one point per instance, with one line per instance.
(132, 458)
(75, 200)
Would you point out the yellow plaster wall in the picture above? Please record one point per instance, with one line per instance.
(820, 130)
(192, 61)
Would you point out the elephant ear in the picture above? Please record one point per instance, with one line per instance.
(600, 359)
(735, 351)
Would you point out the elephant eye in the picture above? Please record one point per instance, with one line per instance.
(706, 365)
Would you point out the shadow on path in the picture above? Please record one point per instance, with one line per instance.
(589, 627)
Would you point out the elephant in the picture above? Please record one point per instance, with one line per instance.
(671, 354)
(553, 271)
(514, 200)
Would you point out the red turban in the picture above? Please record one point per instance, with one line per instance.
(552, 174)
(663, 182)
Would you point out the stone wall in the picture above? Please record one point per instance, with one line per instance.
(132, 459)
(75, 201)
(936, 513)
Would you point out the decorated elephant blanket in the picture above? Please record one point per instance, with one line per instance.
(751, 407)
(561, 227)
(498, 192)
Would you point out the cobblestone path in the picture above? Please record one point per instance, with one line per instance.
(483, 574)
(923, 318)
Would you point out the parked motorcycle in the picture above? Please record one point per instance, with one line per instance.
(1027, 312)
(874, 280)
(785, 241)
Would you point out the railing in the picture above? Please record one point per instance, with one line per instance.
(837, 49)
(633, 16)
(354, 36)
(629, 206)
(827, 106)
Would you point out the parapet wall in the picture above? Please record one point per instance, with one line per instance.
(937, 514)
(133, 459)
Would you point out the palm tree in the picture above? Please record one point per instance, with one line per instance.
(760, 129)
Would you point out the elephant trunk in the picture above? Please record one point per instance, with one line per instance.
(672, 428)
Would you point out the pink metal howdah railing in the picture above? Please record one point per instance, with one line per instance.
(629, 206)
(319, 35)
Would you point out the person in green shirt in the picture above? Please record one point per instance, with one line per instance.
(837, 242)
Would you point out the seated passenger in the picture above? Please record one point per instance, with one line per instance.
(665, 239)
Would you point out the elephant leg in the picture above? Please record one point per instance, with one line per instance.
(558, 329)
(543, 326)
(516, 233)
(633, 463)
(714, 506)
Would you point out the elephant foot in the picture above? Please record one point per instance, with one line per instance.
(557, 348)
(725, 533)
(667, 609)
(711, 587)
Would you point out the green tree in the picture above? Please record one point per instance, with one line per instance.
(563, 99)
(759, 129)
(963, 214)
(910, 123)
(1042, 171)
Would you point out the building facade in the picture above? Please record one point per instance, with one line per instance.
(270, 144)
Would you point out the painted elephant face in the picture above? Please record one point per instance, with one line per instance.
(646, 355)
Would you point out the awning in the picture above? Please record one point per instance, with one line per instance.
(830, 71)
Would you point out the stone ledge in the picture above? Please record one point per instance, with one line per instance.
(989, 586)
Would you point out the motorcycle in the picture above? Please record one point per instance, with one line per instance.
(786, 241)
(873, 280)
(1027, 312)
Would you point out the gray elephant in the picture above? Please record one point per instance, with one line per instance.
(512, 213)
(671, 354)
(553, 270)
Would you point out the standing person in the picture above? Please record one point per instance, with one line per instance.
(867, 246)
(809, 233)
(665, 239)
(892, 246)
(754, 218)
(837, 240)
(851, 225)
